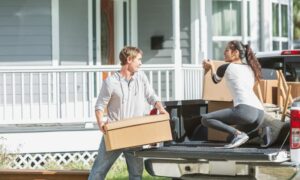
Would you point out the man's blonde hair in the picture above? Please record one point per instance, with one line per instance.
(129, 51)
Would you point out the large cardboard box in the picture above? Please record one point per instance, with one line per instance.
(212, 134)
(137, 131)
(215, 92)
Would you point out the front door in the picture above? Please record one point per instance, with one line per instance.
(107, 32)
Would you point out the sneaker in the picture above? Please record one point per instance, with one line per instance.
(238, 140)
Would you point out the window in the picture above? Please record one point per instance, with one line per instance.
(227, 23)
(279, 25)
(73, 32)
(227, 18)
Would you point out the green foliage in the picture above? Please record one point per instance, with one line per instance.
(77, 166)
(296, 17)
(5, 157)
(53, 165)
(118, 170)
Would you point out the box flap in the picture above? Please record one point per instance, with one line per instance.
(215, 92)
(137, 120)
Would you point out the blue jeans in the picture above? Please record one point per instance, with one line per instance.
(105, 160)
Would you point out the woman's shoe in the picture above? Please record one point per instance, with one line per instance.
(238, 140)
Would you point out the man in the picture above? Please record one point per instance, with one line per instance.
(124, 94)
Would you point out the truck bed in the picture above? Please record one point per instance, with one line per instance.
(215, 151)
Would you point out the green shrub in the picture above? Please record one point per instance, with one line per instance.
(5, 157)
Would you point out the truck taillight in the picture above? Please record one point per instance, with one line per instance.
(295, 128)
(290, 52)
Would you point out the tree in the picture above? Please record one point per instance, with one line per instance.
(296, 17)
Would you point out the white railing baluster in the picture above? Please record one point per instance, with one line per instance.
(40, 95)
(91, 79)
(31, 94)
(159, 83)
(167, 86)
(98, 82)
(58, 101)
(48, 94)
(75, 94)
(67, 95)
(13, 80)
(83, 93)
(22, 96)
(196, 79)
(4, 96)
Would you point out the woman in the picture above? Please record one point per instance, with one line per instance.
(241, 72)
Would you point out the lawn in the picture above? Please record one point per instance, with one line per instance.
(119, 171)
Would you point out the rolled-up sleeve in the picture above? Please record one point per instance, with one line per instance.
(150, 95)
(104, 96)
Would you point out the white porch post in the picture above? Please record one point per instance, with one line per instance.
(290, 25)
(177, 55)
(266, 23)
(203, 29)
(90, 32)
(98, 32)
(118, 27)
(244, 22)
(55, 32)
(134, 23)
(195, 32)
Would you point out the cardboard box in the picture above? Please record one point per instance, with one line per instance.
(212, 134)
(295, 89)
(137, 132)
(215, 92)
(220, 91)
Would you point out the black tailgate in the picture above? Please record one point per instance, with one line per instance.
(216, 153)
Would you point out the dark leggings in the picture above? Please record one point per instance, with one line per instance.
(247, 119)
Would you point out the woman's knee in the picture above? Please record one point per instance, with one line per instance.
(204, 121)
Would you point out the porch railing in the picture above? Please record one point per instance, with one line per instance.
(38, 94)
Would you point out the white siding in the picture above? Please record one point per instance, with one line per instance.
(25, 32)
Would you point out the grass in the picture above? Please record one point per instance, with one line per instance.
(119, 171)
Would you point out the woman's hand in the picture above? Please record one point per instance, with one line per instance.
(207, 64)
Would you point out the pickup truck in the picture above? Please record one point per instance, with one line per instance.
(191, 156)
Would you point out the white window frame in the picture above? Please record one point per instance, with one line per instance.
(56, 35)
(244, 37)
(279, 38)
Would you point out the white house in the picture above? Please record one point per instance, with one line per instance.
(54, 55)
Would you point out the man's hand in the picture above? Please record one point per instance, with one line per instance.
(101, 123)
(160, 108)
(102, 126)
(162, 111)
